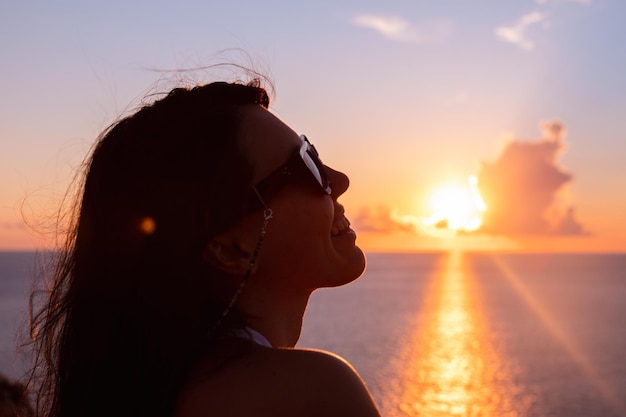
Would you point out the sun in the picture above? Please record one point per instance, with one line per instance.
(457, 206)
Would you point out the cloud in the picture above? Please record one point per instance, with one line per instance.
(523, 186)
(568, 225)
(384, 220)
(9, 226)
(516, 34)
(398, 29)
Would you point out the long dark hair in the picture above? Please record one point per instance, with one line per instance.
(131, 300)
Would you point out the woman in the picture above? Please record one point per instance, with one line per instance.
(204, 225)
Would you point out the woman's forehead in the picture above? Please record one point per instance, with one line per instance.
(266, 141)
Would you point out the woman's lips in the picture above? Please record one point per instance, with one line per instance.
(341, 226)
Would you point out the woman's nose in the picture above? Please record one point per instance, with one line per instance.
(339, 182)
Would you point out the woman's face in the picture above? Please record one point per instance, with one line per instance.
(308, 243)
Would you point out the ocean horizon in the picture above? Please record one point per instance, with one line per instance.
(451, 333)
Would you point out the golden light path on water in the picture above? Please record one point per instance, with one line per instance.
(449, 367)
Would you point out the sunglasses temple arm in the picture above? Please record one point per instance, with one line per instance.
(259, 197)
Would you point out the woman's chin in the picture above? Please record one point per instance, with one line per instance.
(350, 268)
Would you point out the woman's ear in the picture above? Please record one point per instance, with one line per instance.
(228, 255)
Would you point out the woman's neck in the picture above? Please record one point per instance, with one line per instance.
(277, 317)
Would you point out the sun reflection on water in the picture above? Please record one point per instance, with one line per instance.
(450, 368)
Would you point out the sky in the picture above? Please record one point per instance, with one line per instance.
(475, 125)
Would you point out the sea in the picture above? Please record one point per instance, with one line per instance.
(451, 333)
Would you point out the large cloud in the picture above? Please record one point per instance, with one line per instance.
(522, 188)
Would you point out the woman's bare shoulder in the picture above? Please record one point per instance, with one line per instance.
(335, 388)
(279, 382)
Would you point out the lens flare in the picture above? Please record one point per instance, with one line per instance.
(147, 225)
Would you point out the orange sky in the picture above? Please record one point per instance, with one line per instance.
(526, 190)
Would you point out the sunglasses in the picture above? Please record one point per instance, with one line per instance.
(304, 164)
